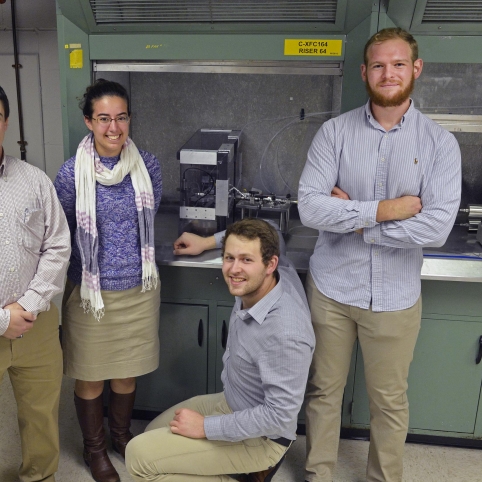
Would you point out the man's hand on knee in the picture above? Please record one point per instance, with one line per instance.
(188, 423)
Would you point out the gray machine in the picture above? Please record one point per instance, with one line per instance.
(207, 168)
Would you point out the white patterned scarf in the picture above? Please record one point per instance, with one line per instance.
(88, 170)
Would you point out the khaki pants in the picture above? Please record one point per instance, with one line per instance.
(159, 455)
(34, 364)
(387, 340)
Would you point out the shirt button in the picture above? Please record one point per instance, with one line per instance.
(380, 184)
(385, 136)
(12, 268)
(382, 159)
(372, 240)
(1, 215)
(7, 242)
(15, 294)
(366, 224)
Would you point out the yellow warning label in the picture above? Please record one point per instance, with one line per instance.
(315, 47)
(76, 59)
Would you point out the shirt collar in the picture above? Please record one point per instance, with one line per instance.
(373, 121)
(261, 309)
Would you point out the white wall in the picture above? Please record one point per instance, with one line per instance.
(40, 82)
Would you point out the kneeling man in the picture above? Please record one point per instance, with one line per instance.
(248, 427)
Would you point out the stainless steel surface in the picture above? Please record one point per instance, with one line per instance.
(458, 123)
(452, 270)
(188, 156)
(475, 211)
(436, 265)
(228, 67)
(186, 212)
(222, 197)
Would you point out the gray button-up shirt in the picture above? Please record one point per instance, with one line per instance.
(266, 363)
(34, 239)
(416, 157)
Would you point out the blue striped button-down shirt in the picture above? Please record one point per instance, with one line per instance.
(266, 363)
(354, 152)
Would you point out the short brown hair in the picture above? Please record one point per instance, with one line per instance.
(392, 34)
(256, 229)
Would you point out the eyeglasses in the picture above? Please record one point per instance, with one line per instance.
(120, 119)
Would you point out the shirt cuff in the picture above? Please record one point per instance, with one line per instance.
(212, 427)
(33, 302)
(219, 238)
(4, 320)
(373, 235)
(368, 214)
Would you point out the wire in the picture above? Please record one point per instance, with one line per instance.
(213, 183)
(286, 126)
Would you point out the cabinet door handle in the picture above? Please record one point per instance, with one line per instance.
(200, 333)
(224, 335)
(479, 356)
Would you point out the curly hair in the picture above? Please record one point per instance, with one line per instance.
(256, 229)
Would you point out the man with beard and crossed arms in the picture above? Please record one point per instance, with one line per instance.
(380, 183)
(247, 428)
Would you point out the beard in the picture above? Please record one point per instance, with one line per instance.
(395, 101)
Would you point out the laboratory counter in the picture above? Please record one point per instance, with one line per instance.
(460, 259)
(445, 376)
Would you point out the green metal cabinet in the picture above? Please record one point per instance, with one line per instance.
(444, 380)
(183, 363)
(222, 327)
(194, 319)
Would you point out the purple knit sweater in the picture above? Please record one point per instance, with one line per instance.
(117, 224)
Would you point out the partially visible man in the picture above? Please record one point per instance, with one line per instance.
(380, 183)
(35, 250)
(248, 427)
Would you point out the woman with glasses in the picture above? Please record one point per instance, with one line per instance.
(110, 191)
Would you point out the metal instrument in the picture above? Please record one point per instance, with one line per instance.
(254, 202)
(207, 169)
(474, 216)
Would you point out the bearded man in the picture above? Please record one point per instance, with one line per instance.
(380, 183)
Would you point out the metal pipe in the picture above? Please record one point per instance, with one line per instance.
(17, 67)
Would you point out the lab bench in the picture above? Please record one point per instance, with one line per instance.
(444, 381)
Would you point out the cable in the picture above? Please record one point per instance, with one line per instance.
(213, 183)
(286, 126)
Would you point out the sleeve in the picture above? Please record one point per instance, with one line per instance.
(154, 169)
(4, 320)
(54, 254)
(317, 208)
(440, 204)
(218, 237)
(65, 186)
(284, 372)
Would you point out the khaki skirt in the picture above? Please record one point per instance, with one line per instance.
(123, 344)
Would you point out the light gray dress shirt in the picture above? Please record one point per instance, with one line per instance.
(266, 363)
(34, 239)
(416, 157)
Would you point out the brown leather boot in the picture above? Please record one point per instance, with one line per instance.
(120, 414)
(91, 420)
